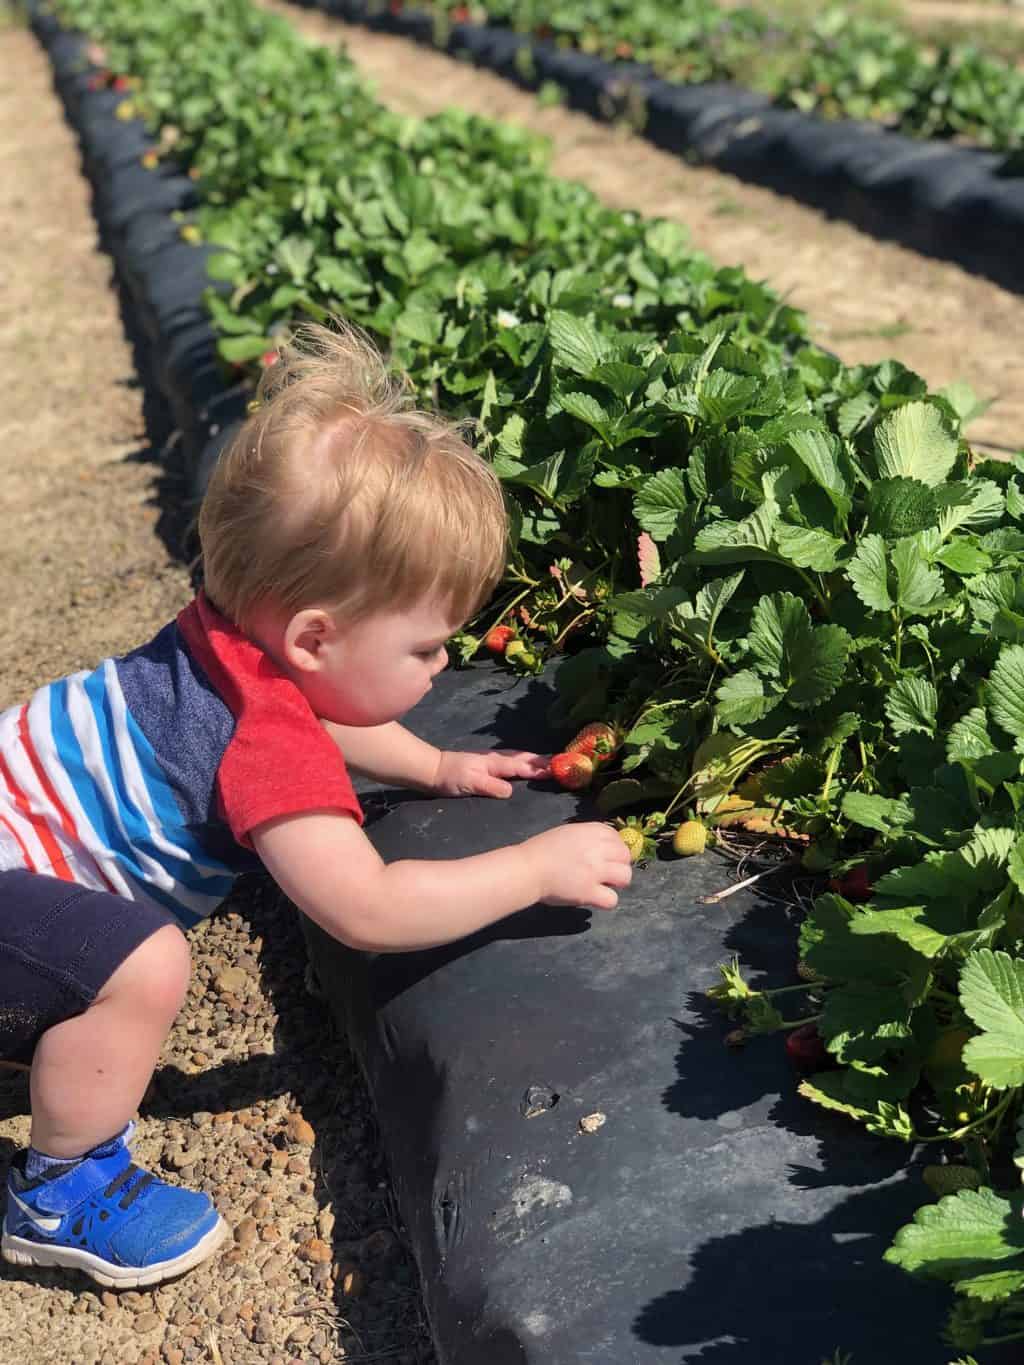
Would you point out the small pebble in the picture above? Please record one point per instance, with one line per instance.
(298, 1130)
(247, 1232)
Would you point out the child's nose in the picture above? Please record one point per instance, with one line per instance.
(442, 660)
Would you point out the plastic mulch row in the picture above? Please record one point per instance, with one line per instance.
(940, 199)
(714, 1216)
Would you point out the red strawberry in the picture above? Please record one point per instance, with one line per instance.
(497, 638)
(572, 771)
(268, 358)
(807, 1049)
(854, 885)
(460, 14)
(598, 741)
(121, 84)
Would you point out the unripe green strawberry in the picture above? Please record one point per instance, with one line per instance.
(690, 838)
(948, 1179)
(634, 840)
(516, 649)
(572, 771)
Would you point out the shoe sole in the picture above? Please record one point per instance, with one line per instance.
(21, 1251)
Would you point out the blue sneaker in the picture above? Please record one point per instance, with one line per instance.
(105, 1216)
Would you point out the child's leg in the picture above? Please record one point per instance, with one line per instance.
(90, 1072)
(89, 986)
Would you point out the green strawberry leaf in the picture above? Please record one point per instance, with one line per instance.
(807, 547)
(915, 442)
(808, 661)
(958, 1236)
(880, 813)
(1005, 691)
(920, 588)
(973, 506)
(992, 996)
(587, 409)
(963, 557)
(238, 350)
(742, 699)
(900, 507)
(912, 705)
(576, 344)
(969, 737)
(869, 574)
(659, 502)
(798, 775)
(820, 454)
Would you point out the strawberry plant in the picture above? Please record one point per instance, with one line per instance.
(838, 64)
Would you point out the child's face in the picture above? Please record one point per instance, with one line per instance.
(375, 670)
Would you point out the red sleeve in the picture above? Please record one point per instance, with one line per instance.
(280, 760)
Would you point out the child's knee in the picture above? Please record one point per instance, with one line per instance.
(156, 974)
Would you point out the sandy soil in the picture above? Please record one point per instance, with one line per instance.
(962, 12)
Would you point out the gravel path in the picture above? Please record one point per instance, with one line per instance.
(255, 1099)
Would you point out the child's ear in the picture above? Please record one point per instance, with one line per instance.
(305, 637)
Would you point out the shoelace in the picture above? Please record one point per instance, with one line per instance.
(145, 1180)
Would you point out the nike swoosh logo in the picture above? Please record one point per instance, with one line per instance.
(45, 1224)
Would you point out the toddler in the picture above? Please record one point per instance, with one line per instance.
(345, 536)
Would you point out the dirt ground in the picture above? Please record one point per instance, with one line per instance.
(866, 299)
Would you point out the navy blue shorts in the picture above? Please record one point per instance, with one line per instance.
(59, 946)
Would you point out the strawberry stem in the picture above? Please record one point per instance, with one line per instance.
(955, 1134)
(798, 1023)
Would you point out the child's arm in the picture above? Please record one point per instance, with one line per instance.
(390, 753)
(325, 864)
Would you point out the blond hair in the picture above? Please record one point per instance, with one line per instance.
(338, 492)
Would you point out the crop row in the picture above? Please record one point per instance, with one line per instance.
(838, 64)
(786, 581)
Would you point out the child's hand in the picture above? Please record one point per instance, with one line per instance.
(585, 864)
(463, 774)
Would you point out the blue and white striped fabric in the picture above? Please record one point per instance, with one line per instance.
(119, 797)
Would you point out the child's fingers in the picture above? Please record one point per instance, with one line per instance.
(514, 764)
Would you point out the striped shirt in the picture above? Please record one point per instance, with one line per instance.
(145, 776)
